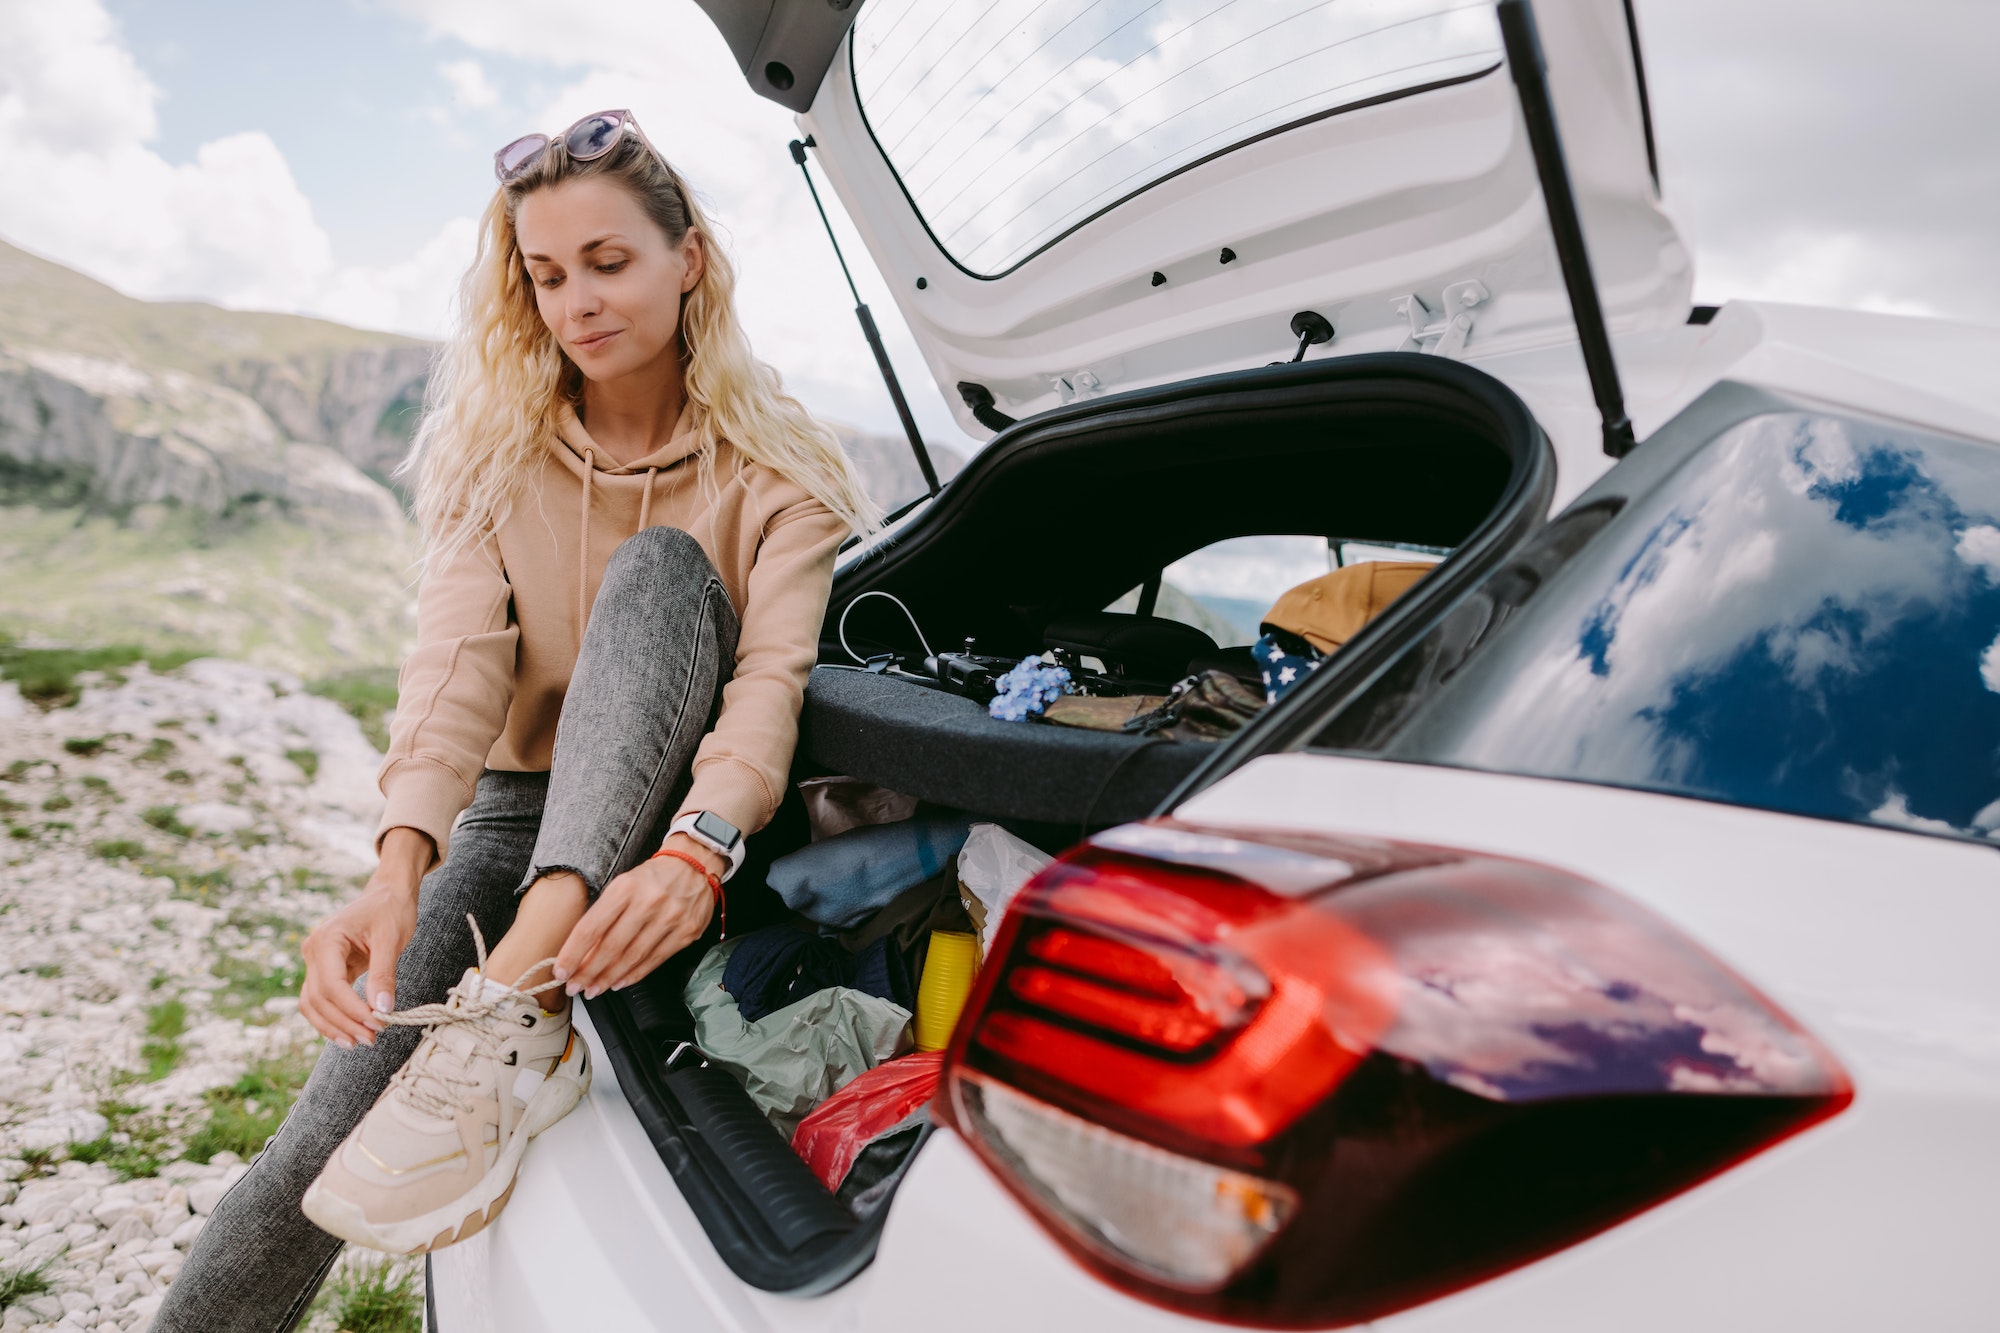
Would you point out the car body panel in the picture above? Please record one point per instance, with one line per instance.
(1879, 942)
(1346, 215)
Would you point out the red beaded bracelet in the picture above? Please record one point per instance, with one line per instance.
(714, 882)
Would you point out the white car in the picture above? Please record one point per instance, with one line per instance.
(1604, 938)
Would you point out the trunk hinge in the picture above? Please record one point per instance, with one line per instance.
(1443, 336)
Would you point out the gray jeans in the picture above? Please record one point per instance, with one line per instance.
(647, 686)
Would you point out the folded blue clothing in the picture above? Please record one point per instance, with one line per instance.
(839, 881)
(783, 964)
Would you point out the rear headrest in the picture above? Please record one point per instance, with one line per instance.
(1144, 646)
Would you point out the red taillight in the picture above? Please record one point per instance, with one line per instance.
(1312, 1082)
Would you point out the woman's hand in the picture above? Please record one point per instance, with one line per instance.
(367, 935)
(644, 917)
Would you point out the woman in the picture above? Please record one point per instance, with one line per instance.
(630, 538)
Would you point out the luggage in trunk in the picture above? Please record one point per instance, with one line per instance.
(1054, 521)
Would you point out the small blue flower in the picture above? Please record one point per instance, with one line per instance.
(1026, 690)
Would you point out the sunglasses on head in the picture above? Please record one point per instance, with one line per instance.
(588, 139)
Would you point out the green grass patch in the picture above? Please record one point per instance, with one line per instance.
(119, 849)
(197, 886)
(47, 676)
(20, 832)
(19, 1284)
(10, 806)
(162, 1051)
(158, 750)
(247, 985)
(375, 1296)
(93, 783)
(166, 818)
(47, 971)
(243, 1117)
(135, 1144)
(307, 760)
(58, 802)
(86, 746)
(180, 775)
(369, 695)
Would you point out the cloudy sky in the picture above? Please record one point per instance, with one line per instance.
(328, 156)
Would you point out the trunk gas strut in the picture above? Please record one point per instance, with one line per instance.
(1531, 80)
(868, 329)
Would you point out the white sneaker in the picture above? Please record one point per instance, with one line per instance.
(434, 1159)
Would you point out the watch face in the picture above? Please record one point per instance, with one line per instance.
(717, 830)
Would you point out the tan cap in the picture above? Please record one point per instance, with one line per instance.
(1331, 609)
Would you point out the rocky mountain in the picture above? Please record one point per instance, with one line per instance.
(191, 478)
(122, 402)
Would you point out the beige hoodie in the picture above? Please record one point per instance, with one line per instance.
(499, 624)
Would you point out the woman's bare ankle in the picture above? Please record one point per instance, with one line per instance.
(549, 910)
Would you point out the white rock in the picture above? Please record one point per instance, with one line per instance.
(111, 1210)
(52, 1131)
(225, 1159)
(79, 1233)
(203, 1195)
(76, 1302)
(185, 1233)
(8, 1189)
(216, 817)
(132, 1226)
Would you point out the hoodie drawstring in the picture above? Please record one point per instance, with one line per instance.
(583, 538)
(583, 545)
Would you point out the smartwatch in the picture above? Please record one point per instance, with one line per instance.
(713, 832)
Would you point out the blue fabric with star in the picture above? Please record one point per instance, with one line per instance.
(1284, 661)
(1027, 689)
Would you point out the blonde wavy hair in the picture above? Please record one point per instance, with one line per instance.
(502, 381)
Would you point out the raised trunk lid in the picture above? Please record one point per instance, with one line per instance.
(1088, 197)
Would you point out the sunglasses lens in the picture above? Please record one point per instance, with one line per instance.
(519, 155)
(593, 137)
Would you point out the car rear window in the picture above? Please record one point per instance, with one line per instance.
(1012, 124)
(1803, 617)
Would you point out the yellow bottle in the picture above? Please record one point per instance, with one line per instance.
(949, 966)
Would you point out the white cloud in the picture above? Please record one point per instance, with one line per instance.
(1831, 152)
(469, 84)
(77, 116)
(1895, 809)
(1979, 546)
(1989, 666)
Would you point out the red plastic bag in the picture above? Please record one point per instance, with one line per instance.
(832, 1137)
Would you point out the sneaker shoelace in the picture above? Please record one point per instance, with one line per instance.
(443, 1087)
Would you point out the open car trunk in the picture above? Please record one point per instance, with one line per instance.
(1062, 515)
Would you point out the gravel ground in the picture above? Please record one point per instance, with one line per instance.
(170, 839)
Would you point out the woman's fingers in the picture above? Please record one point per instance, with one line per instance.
(584, 951)
(327, 999)
(607, 962)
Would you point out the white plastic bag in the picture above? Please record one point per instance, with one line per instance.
(992, 867)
